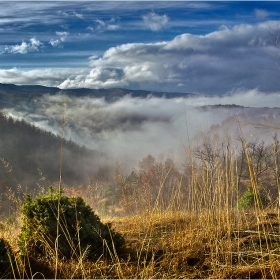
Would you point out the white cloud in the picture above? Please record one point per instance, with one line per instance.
(71, 14)
(46, 77)
(101, 25)
(260, 13)
(215, 63)
(58, 42)
(62, 35)
(97, 78)
(154, 21)
(241, 57)
(78, 15)
(90, 28)
(55, 43)
(24, 48)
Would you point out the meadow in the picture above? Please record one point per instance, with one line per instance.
(216, 217)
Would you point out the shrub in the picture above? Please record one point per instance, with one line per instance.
(79, 228)
(248, 199)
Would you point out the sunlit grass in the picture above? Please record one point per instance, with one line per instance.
(198, 234)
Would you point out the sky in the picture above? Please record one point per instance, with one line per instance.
(207, 48)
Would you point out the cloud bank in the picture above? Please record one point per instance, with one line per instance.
(241, 57)
(131, 128)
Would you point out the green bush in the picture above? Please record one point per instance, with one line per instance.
(79, 228)
(248, 199)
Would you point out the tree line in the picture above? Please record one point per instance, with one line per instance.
(211, 175)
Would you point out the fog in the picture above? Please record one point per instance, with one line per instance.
(131, 128)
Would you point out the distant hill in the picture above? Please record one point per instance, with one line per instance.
(11, 88)
(111, 94)
(255, 123)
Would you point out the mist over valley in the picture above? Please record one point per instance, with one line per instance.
(123, 125)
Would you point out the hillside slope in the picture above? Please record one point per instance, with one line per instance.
(26, 151)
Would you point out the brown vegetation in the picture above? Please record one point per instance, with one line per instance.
(180, 224)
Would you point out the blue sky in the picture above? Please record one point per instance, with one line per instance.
(188, 46)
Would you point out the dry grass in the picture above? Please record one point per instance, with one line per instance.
(185, 245)
(210, 238)
(178, 245)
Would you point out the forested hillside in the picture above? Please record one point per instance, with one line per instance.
(29, 154)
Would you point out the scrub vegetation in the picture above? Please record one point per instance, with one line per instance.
(216, 217)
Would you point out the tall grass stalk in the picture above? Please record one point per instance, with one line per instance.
(258, 207)
(63, 123)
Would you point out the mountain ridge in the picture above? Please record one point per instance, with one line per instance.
(110, 94)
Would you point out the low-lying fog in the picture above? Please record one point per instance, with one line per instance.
(131, 128)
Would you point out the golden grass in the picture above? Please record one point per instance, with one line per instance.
(202, 235)
(179, 245)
